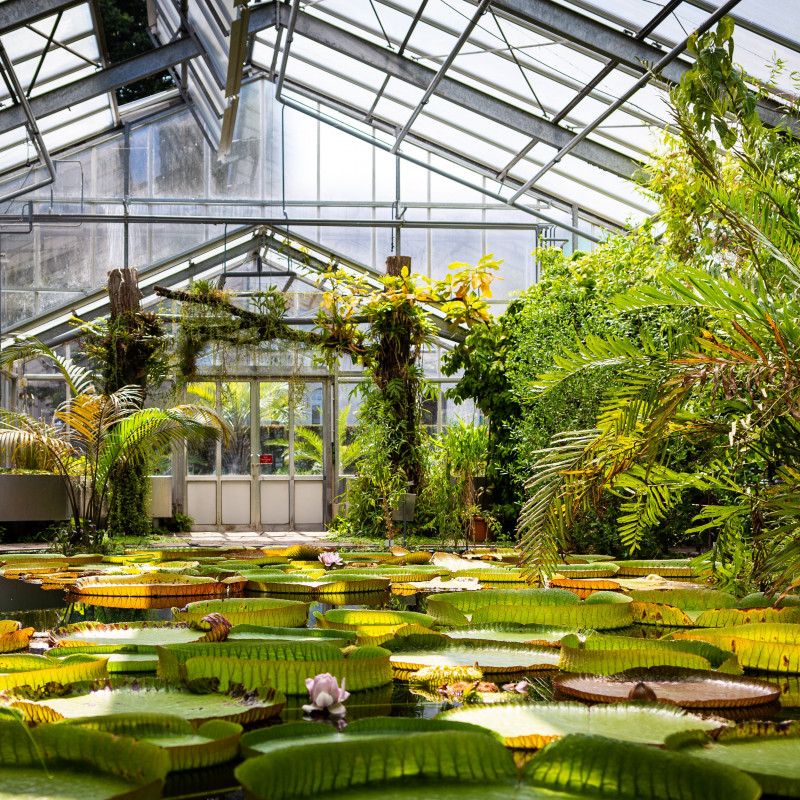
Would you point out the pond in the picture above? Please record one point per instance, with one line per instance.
(493, 625)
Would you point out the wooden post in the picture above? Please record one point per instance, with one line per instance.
(123, 291)
(394, 265)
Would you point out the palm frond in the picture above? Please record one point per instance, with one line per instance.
(79, 379)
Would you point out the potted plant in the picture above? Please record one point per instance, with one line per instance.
(465, 455)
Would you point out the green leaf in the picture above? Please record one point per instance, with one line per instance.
(282, 664)
(531, 726)
(52, 761)
(768, 646)
(767, 751)
(147, 695)
(592, 767)
(212, 743)
(263, 611)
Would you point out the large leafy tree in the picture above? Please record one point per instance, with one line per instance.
(733, 385)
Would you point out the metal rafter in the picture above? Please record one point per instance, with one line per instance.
(15, 13)
(620, 101)
(454, 91)
(439, 76)
(125, 72)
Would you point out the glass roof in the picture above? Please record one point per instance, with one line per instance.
(47, 54)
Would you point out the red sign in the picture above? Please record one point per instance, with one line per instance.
(265, 459)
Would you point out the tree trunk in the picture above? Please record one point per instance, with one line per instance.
(394, 368)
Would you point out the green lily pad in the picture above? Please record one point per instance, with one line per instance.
(533, 725)
(146, 696)
(282, 664)
(263, 611)
(490, 657)
(539, 635)
(773, 647)
(767, 751)
(604, 655)
(140, 634)
(448, 764)
(125, 658)
(53, 762)
(212, 743)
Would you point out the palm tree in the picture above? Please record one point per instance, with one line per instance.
(93, 434)
(308, 446)
(730, 380)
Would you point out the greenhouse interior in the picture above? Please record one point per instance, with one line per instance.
(399, 398)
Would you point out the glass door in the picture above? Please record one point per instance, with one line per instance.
(294, 452)
(274, 470)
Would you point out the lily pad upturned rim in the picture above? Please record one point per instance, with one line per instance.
(617, 716)
(252, 706)
(589, 687)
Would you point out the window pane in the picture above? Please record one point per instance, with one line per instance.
(201, 459)
(274, 427)
(235, 402)
(308, 441)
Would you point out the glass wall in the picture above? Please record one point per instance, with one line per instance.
(283, 165)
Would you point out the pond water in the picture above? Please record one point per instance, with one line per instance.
(45, 610)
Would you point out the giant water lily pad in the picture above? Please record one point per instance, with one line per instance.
(605, 655)
(689, 688)
(667, 568)
(769, 752)
(35, 671)
(370, 622)
(598, 570)
(156, 584)
(554, 607)
(283, 664)
(262, 611)
(304, 585)
(119, 658)
(266, 740)
(443, 765)
(773, 647)
(212, 743)
(146, 696)
(13, 636)
(126, 633)
(533, 725)
(488, 657)
(702, 608)
(539, 635)
(247, 632)
(583, 587)
(59, 764)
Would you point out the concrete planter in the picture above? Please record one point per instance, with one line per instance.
(32, 498)
(38, 498)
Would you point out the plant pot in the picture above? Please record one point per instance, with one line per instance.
(480, 530)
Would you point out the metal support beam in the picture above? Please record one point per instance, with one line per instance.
(437, 78)
(620, 101)
(15, 13)
(308, 222)
(591, 34)
(451, 90)
(29, 121)
(129, 71)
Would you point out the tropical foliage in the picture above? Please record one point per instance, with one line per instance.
(732, 385)
(94, 434)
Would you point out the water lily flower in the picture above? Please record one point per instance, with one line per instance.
(519, 688)
(325, 695)
(330, 559)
